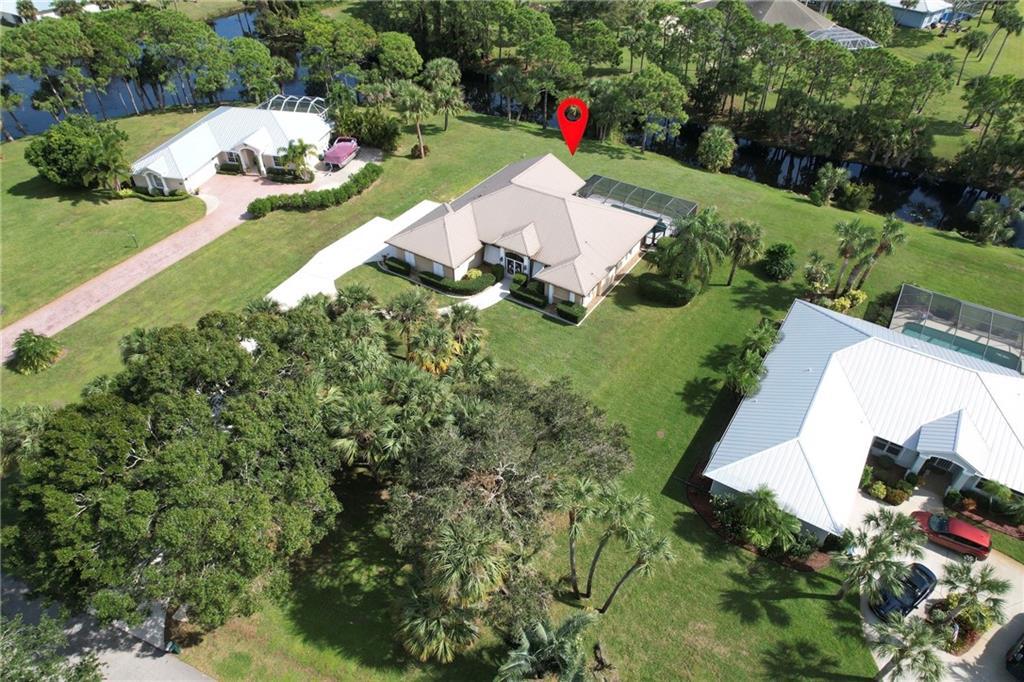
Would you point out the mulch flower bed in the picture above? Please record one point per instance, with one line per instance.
(966, 638)
(698, 493)
(1013, 531)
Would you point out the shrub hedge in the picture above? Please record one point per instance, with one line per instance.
(573, 312)
(289, 176)
(532, 293)
(400, 266)
(323, 198)
(462, 287)
(660, 289)
(176, 195)
(228, 168)
(778, 261)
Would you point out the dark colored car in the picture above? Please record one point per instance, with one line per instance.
(918, 584)
(959, 536)
(1015, 659)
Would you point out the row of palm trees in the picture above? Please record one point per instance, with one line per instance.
(626, 518)
(875, 562)
(704, 240)
(859, 248)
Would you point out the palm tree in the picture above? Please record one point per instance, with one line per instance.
(576, 498)
(745, 244)
(33, 352)
(764, 521)
(871, 566)
(650, 548)
(700, 244)
(993, 222)
(1008, 18)
(744, 372)
(974, 590)
(414, 104)
(465, 563)
(448, 100)
(296, 155)
(431, 629)
(543, 651)
(408, 310)
(434, 347)
(20, 429)
(762, 338)
(622, 516)
(109, 164)
(354, 296)
(464, 321)
(818, 273)
(893, 234)
(508, 80)
(363, 428)
(972, 41)
(910, 645)
(900, 531)
(854, 239)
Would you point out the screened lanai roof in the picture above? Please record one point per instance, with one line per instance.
(309, 105)
(646, 202)
(851, 40)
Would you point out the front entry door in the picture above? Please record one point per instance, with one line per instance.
(514, 263)
(250, 165)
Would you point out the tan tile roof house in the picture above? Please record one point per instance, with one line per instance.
(528, 218)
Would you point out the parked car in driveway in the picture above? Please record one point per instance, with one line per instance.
(917, 586)
(959, 536)
(1015, 659)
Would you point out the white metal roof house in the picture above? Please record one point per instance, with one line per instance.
(837, 387)
(528, 217)
(922, 15)
(797, 15)
(251, 138)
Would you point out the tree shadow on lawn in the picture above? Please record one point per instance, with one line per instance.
(698, 395)
(699, 450)
(766, 299)
(802, 659)
(343, 594)
(760, 592)
(39, 187)
(588, 145)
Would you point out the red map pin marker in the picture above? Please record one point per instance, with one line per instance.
(572, 131)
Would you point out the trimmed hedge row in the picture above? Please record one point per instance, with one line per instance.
(660, 289)
(395, 265)
(323, 198)
(176, 195)
(532, 293)
(462, 287)
(290, 177)
(228, 168)
(573, 312)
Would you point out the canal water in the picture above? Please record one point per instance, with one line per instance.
(912, 197)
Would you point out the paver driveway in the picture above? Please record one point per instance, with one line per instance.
(986, 659)
(226, 197)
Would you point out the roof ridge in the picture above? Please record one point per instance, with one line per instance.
(817, 486)
(999, 408)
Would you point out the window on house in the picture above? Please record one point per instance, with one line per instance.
(888, 447)
(233, 157)
(278, 161)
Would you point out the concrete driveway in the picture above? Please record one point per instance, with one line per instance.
(986, 659)
(121, 656)
(226, 197)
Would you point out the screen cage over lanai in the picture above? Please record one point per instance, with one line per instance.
(669, 210)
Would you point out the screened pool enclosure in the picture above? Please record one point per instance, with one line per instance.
(965, 327)
(670, 211)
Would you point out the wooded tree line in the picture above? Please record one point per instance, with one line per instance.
(721, 64)
(215, 459)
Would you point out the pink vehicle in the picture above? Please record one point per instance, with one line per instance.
(341, 152)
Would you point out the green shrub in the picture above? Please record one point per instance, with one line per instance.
(519, 279)
(288, 176)
(415, 153)
(866, 476)
(911, 478)
(472, 273)
(953, 499)
(573, 312)
(323, 198)
(855, 197)
(532, 293)
(399, 266)
(896, 496)
(463, 287)
(33, 353)
(878, 490)
(672, 292)
(805, 544)
(176, 195)
(904, 485)
(371, 127)
(65, 153)
(778, 261)
(716, 148)
(228, 168)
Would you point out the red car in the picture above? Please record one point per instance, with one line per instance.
(958, 535)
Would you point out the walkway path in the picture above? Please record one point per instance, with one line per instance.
(122, 656)
(229, 198)
(486, 298)
(363, 244)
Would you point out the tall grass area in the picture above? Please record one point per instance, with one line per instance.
(717, 613)
(55, 238)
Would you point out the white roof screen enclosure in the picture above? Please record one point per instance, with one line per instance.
(305, 105)
(965, 327)
(668, 209)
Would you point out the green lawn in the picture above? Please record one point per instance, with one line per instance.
(54, 239)
(717, 613)
(385, 285)
(206, 9)
(946, 111)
